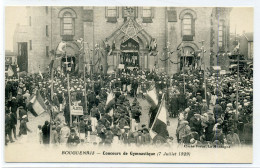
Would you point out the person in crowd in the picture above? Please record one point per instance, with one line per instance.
(232, 138)
(23, 128)
(46, 133)
(64, 133)
(82, 130)
(54, 137)
(199, 120)
(73, 139)
(39, 134)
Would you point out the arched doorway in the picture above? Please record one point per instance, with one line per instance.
(70, 62)
(129, 53)
(187, 59)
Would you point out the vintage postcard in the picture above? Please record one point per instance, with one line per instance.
(134, 84)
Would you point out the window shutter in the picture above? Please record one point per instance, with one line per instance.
(193, 27)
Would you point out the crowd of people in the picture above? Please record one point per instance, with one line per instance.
(204, 115)
(228, 122)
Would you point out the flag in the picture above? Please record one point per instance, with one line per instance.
(159, 126)
(81, 41)
(40, 74)
(38, 104)
(10, 71)
(110, 102)
(151, 96)
(110, 97)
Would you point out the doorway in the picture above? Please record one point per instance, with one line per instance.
(129, 53)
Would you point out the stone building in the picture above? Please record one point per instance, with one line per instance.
(165, 38)
(246, 45)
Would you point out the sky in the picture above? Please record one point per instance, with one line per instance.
(241, 19)
(13, 15)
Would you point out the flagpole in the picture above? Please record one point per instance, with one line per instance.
(85, 92)
(238, 55)
(52, 90)
(68, 85)
(184, 62)
(204, 66)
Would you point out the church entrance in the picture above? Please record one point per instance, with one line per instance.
(129, 53)
(68, 64)
(187, 59)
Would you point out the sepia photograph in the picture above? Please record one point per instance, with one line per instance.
(131, 84)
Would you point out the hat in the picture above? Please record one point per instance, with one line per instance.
(229, 105)
(24, 116)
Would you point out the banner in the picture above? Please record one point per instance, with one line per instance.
(76, 110)
(121, 66)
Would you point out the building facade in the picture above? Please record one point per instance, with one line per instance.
(166, 38)
(246, 45)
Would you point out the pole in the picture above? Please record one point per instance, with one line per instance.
(68, 80)
(168, 61)
(237, 85)
(85, 92)
(68, 88)
(204, 69)
(183, 67)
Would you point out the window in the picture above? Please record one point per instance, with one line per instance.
(30, 42)
(67, 24)
(147, 14)
(111, 11)
(47, 31)
(188, 17)
(220, 34)
(112, 14)
(187, 24)
(47, 51)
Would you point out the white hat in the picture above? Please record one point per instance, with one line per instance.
(229, 105)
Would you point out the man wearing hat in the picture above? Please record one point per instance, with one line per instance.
(195, 123)
(95, 115)
(217, 110)
(22, 113)
(209, 128)
(23, 127)
(109, 137)
(73, 139)
(127, 136)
